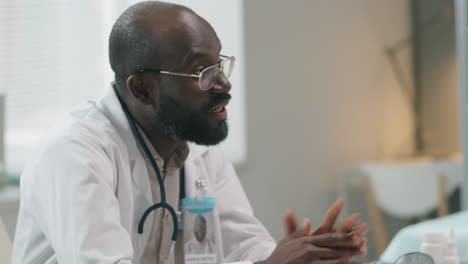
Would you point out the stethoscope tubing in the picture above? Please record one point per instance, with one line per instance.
(162, 189)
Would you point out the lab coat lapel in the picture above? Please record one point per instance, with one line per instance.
(109, 104)
(194, 168)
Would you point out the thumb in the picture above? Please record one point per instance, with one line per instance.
(304, 231)
(289, 220)
(306, 227)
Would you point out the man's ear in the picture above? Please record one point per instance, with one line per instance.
(139, 88)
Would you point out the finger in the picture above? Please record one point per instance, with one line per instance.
(333, 240)
(333, 253)
(330, 218)
(363, 247)
(348, 224)
(289, 220)
(306, 227)
(363, 242)
(360, 230)
(332, 261)
(363, 250)
(304, 231)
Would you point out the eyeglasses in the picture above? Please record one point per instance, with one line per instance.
(208, 76)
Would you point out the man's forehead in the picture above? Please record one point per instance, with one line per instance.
(191, 42)
(201, 53)
(188, 49)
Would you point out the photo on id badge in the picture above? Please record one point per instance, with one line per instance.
(199, 239)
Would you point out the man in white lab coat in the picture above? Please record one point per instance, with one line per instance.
(83, 196)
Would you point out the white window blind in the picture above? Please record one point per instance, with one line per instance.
(51, 58)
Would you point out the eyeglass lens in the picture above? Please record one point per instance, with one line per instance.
(210, 75)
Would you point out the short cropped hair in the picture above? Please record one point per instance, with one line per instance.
(131, 43)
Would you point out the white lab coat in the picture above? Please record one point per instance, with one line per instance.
(87, 187)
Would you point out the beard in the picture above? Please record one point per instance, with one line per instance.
(182, 123)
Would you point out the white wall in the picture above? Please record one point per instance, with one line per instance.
(461, 11)
(321, 96)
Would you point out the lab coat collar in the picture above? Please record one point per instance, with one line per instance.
(110, 105)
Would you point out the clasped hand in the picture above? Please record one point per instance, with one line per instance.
(323, 245)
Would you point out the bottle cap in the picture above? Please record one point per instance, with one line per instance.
(200, 184)
(451, 254)
(433, 245)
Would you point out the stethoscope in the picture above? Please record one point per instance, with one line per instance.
(162, 189)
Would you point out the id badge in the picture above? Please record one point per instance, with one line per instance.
(200, 245)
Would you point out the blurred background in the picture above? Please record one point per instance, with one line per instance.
(331, 99)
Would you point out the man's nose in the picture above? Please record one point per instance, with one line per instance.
(222, 84)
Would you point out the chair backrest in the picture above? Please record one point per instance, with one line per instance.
(405, 190)
(5, 245)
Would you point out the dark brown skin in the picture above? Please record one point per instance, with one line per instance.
(325, 248)
(185, 34)
(342, 244)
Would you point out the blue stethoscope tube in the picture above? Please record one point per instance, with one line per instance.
(162, 189)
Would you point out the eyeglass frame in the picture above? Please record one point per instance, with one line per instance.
(220, 65)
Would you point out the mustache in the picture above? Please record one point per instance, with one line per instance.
(219, 98)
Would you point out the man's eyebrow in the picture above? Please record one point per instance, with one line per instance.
(194, 56)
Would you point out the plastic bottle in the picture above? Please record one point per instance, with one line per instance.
(451, 254)
(433, 245)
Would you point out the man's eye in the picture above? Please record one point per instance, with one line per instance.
(198, 70)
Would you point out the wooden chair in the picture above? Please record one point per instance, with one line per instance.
(5, 245)
(406, 191)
